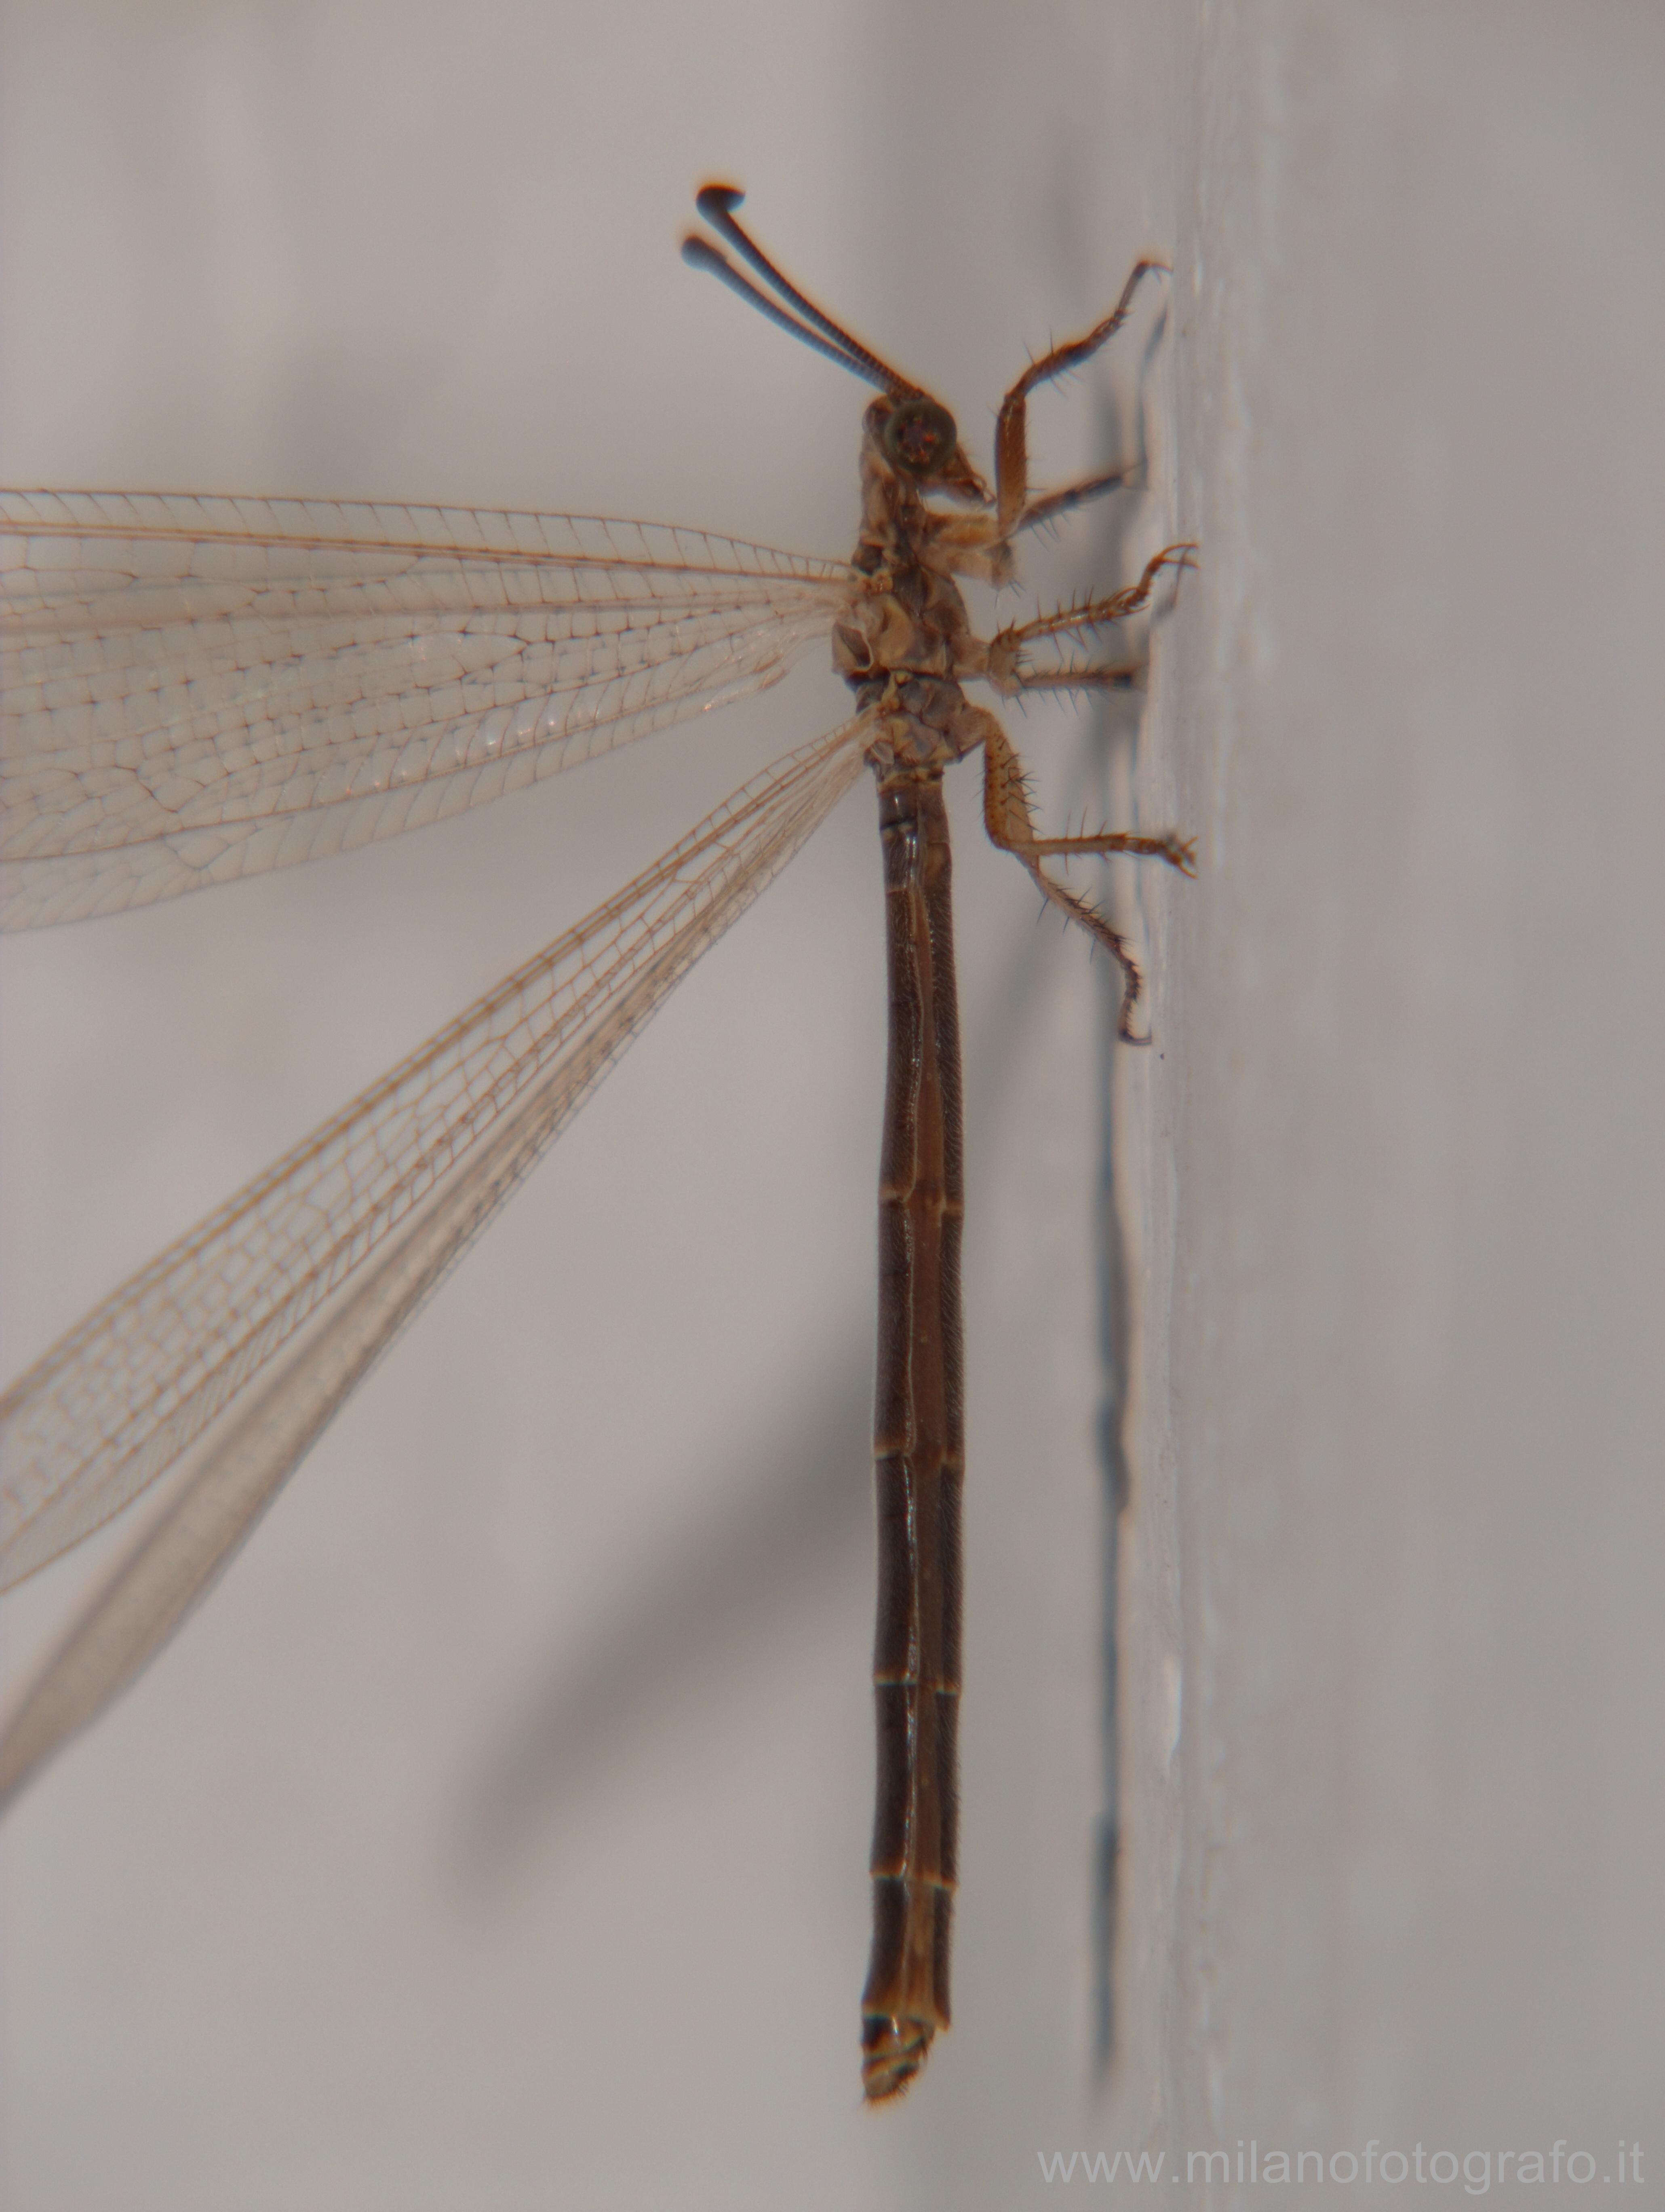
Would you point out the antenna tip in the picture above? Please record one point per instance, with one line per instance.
(714, 200)
(699, 253)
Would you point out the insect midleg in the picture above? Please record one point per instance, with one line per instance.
(1005, 669)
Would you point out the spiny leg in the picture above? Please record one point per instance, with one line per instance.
(1010, 826)
(1011, 427)
(1131, 599)
(1005, 669)
(1178, 851)
(1052, 504)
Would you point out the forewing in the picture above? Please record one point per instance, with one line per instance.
(197, 690)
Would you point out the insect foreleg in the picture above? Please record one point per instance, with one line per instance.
(1011, 429)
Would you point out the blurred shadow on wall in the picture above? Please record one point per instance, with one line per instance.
(725, 1595)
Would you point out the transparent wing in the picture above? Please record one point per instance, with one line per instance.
(197, 690)
(411, 1173)
(114, 1403)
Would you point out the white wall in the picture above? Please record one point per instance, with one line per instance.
(1390, 1639)
(1403, 1201)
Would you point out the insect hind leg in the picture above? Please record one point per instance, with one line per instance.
(1011, 827)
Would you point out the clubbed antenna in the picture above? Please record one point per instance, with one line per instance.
(717, 202)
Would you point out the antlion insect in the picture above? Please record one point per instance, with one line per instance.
(197, 689)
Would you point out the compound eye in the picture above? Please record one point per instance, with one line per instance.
(920, 438)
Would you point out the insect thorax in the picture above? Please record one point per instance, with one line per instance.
(904, 641)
